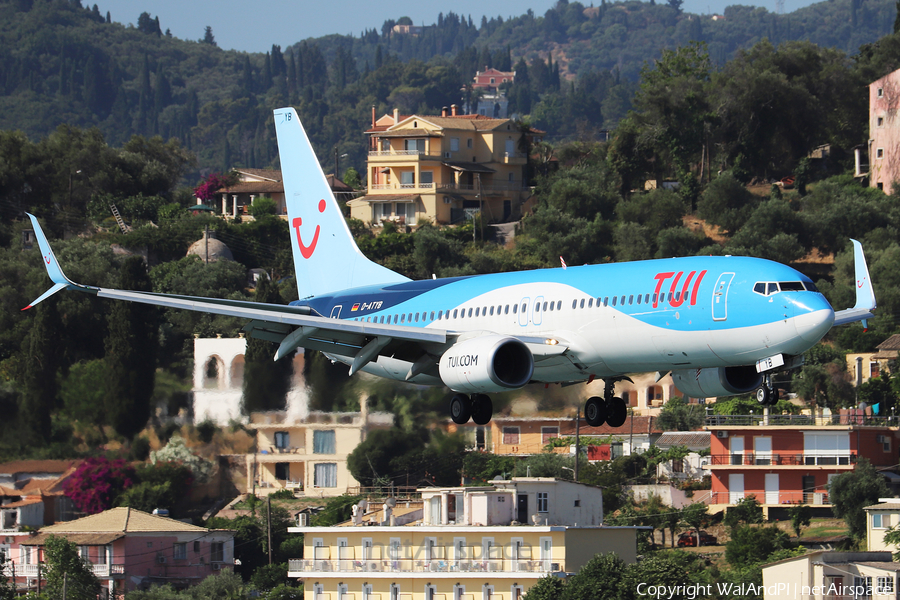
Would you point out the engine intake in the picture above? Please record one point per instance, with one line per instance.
(491, 363)
(721, 381)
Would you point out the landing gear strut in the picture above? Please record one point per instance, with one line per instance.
(609, 409)
(479, 408)
(767, 393)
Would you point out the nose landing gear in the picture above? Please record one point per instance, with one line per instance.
(479, 408)
(767, 394)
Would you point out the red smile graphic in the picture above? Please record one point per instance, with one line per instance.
(307, 251)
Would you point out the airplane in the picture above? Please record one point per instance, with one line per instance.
(721, 325)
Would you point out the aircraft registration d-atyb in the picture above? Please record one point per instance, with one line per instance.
(722, 325)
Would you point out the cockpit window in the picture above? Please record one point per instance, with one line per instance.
(791, 286)
(810, 286)
(767, 288)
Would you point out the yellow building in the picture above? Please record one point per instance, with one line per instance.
(879, 520)
(466, 543)
(308, 453)
(443, 168)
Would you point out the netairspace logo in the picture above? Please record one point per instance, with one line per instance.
(691, 592)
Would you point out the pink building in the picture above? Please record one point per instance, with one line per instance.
(129, 549)
(884, 132)
(491, 78)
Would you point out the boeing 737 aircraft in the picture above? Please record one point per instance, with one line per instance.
(722, 325)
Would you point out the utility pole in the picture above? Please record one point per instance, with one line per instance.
(577, 439)
(65, 582)
(269, 524)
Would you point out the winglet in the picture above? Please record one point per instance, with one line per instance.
(59, 278)
(865, 294)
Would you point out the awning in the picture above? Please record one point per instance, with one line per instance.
(465, 167)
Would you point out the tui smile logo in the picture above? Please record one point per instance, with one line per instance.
(307, 251)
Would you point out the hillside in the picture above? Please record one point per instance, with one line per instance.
(62, 63)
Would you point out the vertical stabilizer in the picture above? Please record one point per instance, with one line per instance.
(326, 258)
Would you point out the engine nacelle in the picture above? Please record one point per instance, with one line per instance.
(490, 363)
(722, 381)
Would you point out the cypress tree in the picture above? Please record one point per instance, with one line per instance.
(39, 387)
(131, 354)
(266, 382)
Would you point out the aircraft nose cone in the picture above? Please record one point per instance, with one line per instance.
(813, 318)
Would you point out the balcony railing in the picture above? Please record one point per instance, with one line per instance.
(421, 153)
(105, 571)
(771, 498)
(744, 459)
(424, 566)
(802, 420)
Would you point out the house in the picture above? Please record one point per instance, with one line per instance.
(31, 493)
(692, 466)
(490, 541)
(129, 549)
(308, 454)
(790, 459)
(443, 169)
(825, 575)
(866, 365)
(522, 436)
(490, 79)
(251, 184)
(879, 518)
(884, 133)
(234, 200)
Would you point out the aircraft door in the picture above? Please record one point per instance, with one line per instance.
(537, 315)
(336, 312)
(720, 297)
(524, 304)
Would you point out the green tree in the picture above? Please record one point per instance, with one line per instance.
(599, 579)
(266, 382)
(801, 516)
(65, 568)
(745, 512)
(750, 545)
(39, 384)
(130, 355)
(7, 584)
(852, 491)
(679, 415)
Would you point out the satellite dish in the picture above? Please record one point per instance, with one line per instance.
(392, 502)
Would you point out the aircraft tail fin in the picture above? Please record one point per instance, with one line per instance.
(326, 258)
(865, 294)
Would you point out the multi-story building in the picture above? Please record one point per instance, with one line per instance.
(443, 168)
(490, 79)
(308, 454)
(867, 365)
(825, 575)
(128, 549)
(487, 542)
(790, 459)
(884, 133)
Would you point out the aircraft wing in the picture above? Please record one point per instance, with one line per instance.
(289, 326)
(865, 295)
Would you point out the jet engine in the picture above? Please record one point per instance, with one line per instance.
(722, 381)
(489, 363)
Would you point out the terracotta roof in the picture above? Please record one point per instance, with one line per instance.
(126, 520)
(471, 122)
(25, 502)
(892, 343)
(269, 174)
(885, 566)
(884, 506)
(37, 466)
(692, 440)
(81, 539)
(252, 187)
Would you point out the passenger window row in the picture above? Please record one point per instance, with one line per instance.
(546, 306)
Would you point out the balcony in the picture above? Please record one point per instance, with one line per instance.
(795, 459)
(31, 571)
(771, 498)
(802, 420)
(451, 567)
(404, 153)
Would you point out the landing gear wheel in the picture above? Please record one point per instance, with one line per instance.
(616, 412)
(460, 409)
(763, 395)
(773, 396)
(595, 411)
(482, 409)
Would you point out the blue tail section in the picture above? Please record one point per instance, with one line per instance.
(326, 258)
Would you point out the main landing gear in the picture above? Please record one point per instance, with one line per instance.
(609, 409)
(479, 408)
(767, 394)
